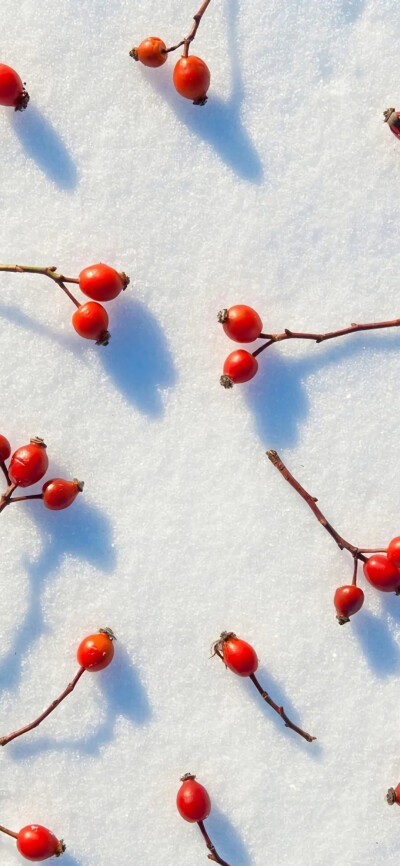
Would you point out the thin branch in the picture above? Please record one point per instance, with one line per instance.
(46, 272)
(5, 472)
(70, 688)
(6, 497)
(9, 832)
(24, 498)
(189, 38)
(311, 502)
(214, 855)
(320, 338)
(280, 711)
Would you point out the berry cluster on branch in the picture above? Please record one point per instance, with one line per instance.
(27, 466)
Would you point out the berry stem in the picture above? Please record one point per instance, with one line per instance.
(356, 552)
(280, 710)
(9, 832)
(53, 705)
(5, 498)
(214, 855)
(354, 581)
(5, 472)
(23, 498)
(320, 338)
(47, 272)
(189, 38)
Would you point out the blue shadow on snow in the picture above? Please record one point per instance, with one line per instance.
(380, 649)
(218, 122)
(226, 839)
(122, 695)
(82, 532)
(43, 144)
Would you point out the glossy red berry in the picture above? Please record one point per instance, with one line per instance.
(36, 843)
(102, 283)
(240, 366)
(96, 651)
(192, 79)
(241, 323)
(393, 552)
(12, 90)
(5, 449)
(192, 800)
(151, 52)
(382, 574)
(238, 655)
(59, 493)
(91, 321)
(347, 600)
(29, 463)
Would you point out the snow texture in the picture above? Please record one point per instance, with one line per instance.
(279, 193)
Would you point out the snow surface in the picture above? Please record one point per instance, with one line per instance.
(281, 193)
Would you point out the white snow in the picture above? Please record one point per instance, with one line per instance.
(282, 193)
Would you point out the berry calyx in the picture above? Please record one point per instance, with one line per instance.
(102, 283)
(393, 796)
(347, 600)
(382, 574)
(192, 79)
(12, 89)
(240, 366)
(59, 493)
(29, 463)
(90, 320)
(393, 551)
(192, 800)
(96, 651)
(151, 52)
(237, 655)
(5, 449)
(36, 843)
(392, 118)
(241, 323)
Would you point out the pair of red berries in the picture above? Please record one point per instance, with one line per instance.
(12, 89)
(28, 465)
(381, 570)
(191, 75)
(94, 653)
(242, 324)
(101, 283)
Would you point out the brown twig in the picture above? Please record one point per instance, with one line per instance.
(9, 832)
(70, 688)
(214, 855)
(280, 711)
(4, 470)
(320, 338)
(189, 38)
(6, 497)
(356, 552)
(46, 272)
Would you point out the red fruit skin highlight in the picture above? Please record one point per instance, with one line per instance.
(381, 573)
(193, 802)
(239, 656)
(28, 464)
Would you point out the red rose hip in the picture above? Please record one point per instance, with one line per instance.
(239, 656)
(347, 600)
(96, 651)
(192, 79)
(192, 800)
(5, 449)
(36, 843)
(29, 463)
(382, 574)
(240, 366)
(91, 322)
(241, 323)
(12, 90)
(102, 283)
(393, 551)
(59, 493)
(151, 52)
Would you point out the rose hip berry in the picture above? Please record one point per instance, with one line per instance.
(5, 449)
(102, 283)
(12, 90)
(59, 493)
(239, 656)
(36, 843)
(192, 800)
(192, 79)
(241, 323)
(382, 574)
(393, 551)
(29, 463)
(240, 366)
(347, 600)
(91, 321)
(151, 52)
(96, 651)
